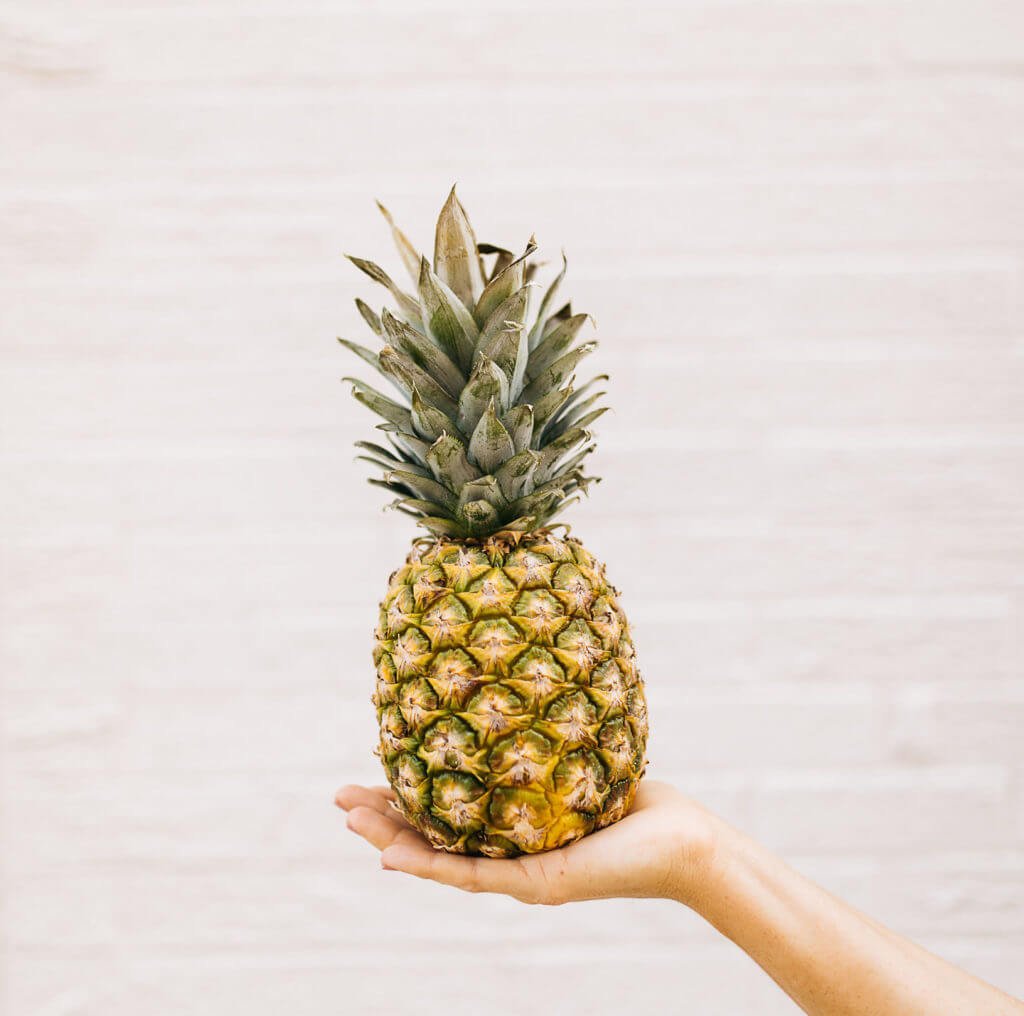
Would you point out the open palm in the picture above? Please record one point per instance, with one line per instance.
(653, 851)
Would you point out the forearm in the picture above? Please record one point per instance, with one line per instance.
(830, 959)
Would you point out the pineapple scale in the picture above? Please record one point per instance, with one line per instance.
(512, 715)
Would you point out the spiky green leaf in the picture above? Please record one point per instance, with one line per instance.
(410, 377)
(540, 503)
(577, 418)
(537, 331)
(428, 421)
(552, 376)
(369, 315)
(383, 406)
(486, 384)
(447, 461)
(547, 406)
(425, 353)
(480, 516)
(364, 354)
(502, 258)
(456, 259)
(406, 304)
(511, 311)
(424, 487)
(551, 453)
(571, 410)
(510, 279)
(491, 444)
(446, 319)
(484, 488)
(419, 506)
(515, 475)
(406, 251)
(509, 351)
(554, 344)
(440, 526)
(409, 445)
(519, 423)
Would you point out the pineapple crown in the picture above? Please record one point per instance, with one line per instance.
(487, 411)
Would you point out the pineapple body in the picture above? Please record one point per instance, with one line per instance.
(512, 715)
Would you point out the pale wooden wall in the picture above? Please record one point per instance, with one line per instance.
(798, 225)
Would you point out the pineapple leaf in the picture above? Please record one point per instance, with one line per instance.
(574, 419)
(486, 384)
(424, 353)
(548, 406)
(447, 461)
(399, 507)
(490, 444)
(410, 376)
(572, 409)
(551, 453)
(406, 251)
(406, 304)
(369, 316)
(391, 485)
(380, 404)
(367, 355)
(446, 319)
(456, 259)
(540, 503)
(519, 423)
(503, 258)
(441, 526)
(578, 393)
(376, 449)
(385, 464)
(573, 464)
(511, 278)
(409, 446)
(556, 373)
(419, 506)
(428, 421)
(480, 516)
(537, 331)
(514, 309)
(509, 351)
(522, 524)
(483, 488)
(424, 487)
(555, 344)
(560, 315)
(515, 475)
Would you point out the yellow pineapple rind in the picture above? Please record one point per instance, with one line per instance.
(512, 714)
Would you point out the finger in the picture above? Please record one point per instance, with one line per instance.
(355, 796)
(380, 830)
(472, 874)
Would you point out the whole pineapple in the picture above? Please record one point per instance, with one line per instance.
(512, 716)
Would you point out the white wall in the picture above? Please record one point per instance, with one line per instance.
(798, 225)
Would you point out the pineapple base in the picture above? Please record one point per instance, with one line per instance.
(512, 715)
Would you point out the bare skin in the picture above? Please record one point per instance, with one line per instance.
(829, 958)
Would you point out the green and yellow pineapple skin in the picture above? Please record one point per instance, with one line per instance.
(512, 715)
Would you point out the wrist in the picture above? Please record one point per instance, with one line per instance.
(701, 859)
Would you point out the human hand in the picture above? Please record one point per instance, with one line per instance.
(661, 848)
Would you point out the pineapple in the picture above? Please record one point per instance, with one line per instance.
(512, 716)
